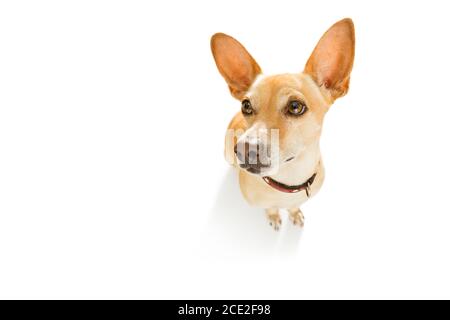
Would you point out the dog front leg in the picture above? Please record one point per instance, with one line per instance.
(296, 216)
(273, 215)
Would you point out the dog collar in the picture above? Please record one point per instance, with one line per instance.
(291, 189)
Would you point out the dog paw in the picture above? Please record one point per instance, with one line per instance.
(297, 218)
(274, 219)
(275, 223)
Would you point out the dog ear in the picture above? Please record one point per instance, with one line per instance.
(235, 64)
(331, 62)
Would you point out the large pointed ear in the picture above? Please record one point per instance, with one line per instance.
(331, 62)
(235, 64)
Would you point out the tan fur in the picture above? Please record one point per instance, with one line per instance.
(326, 78)
(235, 64)
(335, 75)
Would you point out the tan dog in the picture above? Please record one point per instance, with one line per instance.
(274, 140)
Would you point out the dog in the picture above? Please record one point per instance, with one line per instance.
(274, 140)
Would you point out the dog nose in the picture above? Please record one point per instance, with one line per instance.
(242, 151)
(253, 157)
(250, 155)
(237, 153)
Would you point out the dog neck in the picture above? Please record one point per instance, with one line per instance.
(306, 186)
(302, 168)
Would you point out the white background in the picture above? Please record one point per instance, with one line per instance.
(113, 182)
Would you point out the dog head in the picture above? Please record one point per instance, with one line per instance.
(284, 113)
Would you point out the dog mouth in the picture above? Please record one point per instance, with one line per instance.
(259, 169)
(254, 169)
(289, 159)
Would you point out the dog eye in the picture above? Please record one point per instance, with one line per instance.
(296, 108)
(247, 107)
